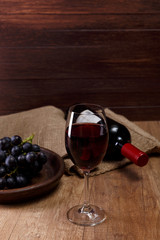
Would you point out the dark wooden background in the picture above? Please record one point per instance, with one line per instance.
(62, 52)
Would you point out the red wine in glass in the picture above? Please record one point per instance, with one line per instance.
(86, 144)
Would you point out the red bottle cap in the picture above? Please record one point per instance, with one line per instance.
(134, 154)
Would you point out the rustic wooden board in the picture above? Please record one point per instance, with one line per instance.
(49, 22)
(81, 7)
(58, 53)
(130, 197)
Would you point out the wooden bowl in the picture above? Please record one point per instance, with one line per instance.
(45, 182)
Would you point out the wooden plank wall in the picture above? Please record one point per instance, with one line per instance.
(62, 52)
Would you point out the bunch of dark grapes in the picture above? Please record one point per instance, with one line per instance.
(20, 161)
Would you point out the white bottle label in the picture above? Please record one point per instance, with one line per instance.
(88, 117)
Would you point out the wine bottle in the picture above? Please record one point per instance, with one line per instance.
(119, 138)
(120, 145)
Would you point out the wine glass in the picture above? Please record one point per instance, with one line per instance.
(86, 140)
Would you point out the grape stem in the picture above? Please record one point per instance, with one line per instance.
(14, 171)
(29, 139)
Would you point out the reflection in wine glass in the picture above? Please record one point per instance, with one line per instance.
(86, 139)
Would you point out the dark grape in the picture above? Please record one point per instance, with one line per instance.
(16, 150)
(42, 157)
(31, 157)
(11, 162)
(21, 160)
(8, 141)
(11, 182)
(2, 183)
(36, 167)
(2, 171)
(16, 140)
(21, 180)
(2, 156)
(35, 148)
(5, 143)
(27, 147)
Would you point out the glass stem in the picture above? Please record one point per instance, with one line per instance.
(86, 190)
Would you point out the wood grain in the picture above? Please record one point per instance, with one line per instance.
(86, 62)
(49, 22)
(110, 39)
(74, 7)
(28, 94)
(59, 53)
(130, 197)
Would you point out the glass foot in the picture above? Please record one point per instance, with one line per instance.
(86, 216)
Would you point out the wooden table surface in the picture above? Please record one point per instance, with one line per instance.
(130, 197)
